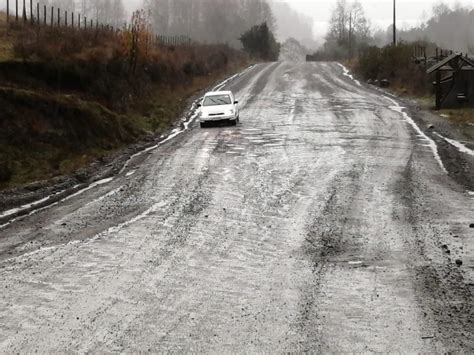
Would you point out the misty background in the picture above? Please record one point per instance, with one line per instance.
(449, 24)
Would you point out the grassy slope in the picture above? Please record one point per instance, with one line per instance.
(46, 133)
(461, 117)
(6, 52)
(56, 151)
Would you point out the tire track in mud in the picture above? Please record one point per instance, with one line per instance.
(283, 233)
(76, 222)
(339, 246)
(441, 287)
(260, 84)
(325, 239)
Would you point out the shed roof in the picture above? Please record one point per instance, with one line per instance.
(445, 61)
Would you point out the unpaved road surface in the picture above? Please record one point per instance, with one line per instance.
(323, 222)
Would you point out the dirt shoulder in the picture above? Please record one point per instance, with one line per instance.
(451, 130)
(453, 133)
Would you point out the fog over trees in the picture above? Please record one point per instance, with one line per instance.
(210, 21)
(349, 31)
(105, 11)
(292, 24)
(450, 28)
(213, 21)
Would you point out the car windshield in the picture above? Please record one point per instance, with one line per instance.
(216, 100)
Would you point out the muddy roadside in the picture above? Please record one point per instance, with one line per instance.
(455, 141)
(23, 200)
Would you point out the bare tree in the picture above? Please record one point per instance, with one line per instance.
(349, 29)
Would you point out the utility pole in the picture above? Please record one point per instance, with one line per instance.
(394, 23)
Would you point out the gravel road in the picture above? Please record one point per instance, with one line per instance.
(323, 222)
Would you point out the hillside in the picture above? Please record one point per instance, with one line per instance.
(70, 97)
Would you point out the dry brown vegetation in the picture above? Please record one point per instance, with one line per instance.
(71, 96)
(6, 45)
(463, 116)
(396, 65)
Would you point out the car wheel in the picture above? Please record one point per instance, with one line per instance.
(233, 123)
(203, 124)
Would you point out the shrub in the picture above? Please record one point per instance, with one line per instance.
(396, 64)
(260, 42)
(370, 62)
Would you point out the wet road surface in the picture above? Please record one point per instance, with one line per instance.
(322, 222)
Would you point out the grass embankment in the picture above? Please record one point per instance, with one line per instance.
(461, 116)
(6, 45)
(69, 97)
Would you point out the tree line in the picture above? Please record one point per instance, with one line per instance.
(204, 21)
(349, 31)
(449, 27)
(211, 21)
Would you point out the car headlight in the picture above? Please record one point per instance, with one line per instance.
(231, 111)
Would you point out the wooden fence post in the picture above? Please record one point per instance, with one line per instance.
(24, 10)
(45, 14)
(8, 11)
(72, 20)
(52, 16)
(38, 18)
(16, 10)
(31, 11)
(85, 22)
(65, 18)
(79, 21)
(438, 90)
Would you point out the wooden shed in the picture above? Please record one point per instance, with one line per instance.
(454, 81)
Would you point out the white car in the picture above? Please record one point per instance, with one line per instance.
(219, 106)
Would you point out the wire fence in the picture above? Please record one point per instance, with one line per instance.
(37, 14)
